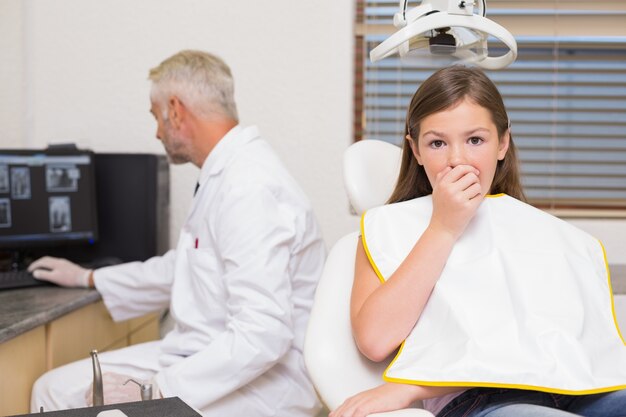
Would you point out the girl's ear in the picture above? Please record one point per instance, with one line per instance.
(503, 146)
(414, 149)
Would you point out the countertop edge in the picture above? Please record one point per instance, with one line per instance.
(80, 299)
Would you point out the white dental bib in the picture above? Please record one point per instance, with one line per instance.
(524, 301)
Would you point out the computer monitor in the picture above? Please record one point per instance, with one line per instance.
(132, 190)
(47, 198)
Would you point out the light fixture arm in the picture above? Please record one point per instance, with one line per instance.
(425, 18)
(463, 7)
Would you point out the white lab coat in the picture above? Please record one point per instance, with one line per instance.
(239, 286)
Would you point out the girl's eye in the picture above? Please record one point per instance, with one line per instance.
(475, 140)
(436, 144)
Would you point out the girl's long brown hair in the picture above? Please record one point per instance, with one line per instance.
(442, 90)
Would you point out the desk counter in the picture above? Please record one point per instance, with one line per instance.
(24, 309)
(45, 327)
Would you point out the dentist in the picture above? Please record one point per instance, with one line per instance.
(239, 284)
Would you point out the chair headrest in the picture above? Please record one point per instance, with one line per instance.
(370, 172)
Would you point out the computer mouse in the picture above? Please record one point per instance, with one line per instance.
(40, 268)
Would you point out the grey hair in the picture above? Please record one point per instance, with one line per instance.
(203, 82)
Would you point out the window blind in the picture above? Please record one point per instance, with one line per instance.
(565, 95)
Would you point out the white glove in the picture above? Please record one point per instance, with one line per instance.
(116, 389)
(60, 271)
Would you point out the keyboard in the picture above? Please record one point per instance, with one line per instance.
(18, 279)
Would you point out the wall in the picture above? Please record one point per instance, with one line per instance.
(11, 55)
(85, 66)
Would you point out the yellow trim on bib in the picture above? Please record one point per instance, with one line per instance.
(385, 377)
(608, 274)
(367, 252)
(499, 385)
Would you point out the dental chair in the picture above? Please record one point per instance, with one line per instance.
(337, 368)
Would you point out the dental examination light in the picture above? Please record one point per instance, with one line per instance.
(456, 29)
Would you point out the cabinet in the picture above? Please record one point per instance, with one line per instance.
(74, 335)
(66, 339)
(22, 361)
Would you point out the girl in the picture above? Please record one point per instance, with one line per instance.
(458, 151)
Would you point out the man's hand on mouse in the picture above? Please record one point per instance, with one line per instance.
(60, 271)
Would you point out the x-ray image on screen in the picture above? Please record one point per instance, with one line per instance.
(20, 183)
(60, 214)
(5, 212)
(4, 179)
(62, 178)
